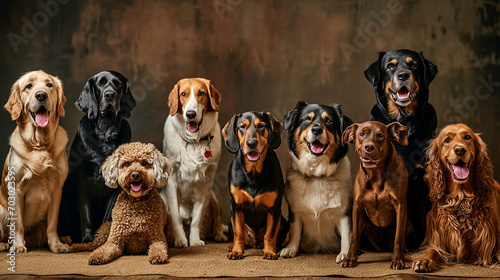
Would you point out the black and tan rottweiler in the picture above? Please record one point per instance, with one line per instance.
(401, 79)
(255, 183)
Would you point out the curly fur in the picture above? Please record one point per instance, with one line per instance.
(140, 217)
(462, 226)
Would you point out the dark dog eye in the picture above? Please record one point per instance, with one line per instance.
(49, 85)
(126, 164)
(447, 140)
(362, 134)
(202, 93)
(391, 66)
(145, 163)
(183, 93)
(380, 136)
(467, 137)
(412, 65)
(261, 126)
(29, 86)
(308, 119)
(328, 120)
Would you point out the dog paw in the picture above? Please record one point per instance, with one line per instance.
(4, 246)
(221, 237)
(340, 257)
(424, 265)
(159, 259)
(270, 256)
(196, 242)
(60, 248)
(350, 262)
(21, 249)
(181, 243)
(288, 252)
(96, 259)
(235, 255)
(397, 264)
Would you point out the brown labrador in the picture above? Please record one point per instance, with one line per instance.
(380, 187)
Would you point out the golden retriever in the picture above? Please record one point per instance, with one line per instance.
(36, 165)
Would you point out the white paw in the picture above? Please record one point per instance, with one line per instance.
(21, 249)
(288, 252)
(196, 242)
(60, 248)
(220, 238)
(181, 243)
(340, 257)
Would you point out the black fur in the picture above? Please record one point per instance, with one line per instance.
(421, 128)
(296, 119)
(87, 202)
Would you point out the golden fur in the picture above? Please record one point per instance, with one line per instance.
(36, 164)
(140, 217)
(463, 224)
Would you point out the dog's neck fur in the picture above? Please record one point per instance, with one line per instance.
(108, 128)
(313, 166)
(37, 138)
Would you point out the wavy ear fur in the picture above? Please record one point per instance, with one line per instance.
(214, 96)
(230, 137)
(110, 170)
(398, 133)
(61, 99)
(87, 102)
(173, 100)
(349, 134)
(162, 168)
(430, 70)
(291, 117)
(483, 170)
(276, 130)
(345, 121)
(127, 103)
(14, 105)
(372, 73)
(435, 172)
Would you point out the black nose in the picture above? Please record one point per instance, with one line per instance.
(403, 76)
(252, 143)
(110, 95)
(136, 175)
(369, 148)
(191, 114)
(460, 151)
(41, 96)
(317, 130)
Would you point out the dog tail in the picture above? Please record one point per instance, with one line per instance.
(101, 236)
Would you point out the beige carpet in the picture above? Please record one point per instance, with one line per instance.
(210, 261)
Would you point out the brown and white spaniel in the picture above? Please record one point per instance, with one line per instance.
(464, 223)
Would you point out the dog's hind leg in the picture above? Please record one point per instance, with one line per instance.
(169, 196)
(198, 211)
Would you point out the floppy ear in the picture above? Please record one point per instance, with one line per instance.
(345, 121)
(110, 170)
(372, 73)
(229, 134)
(127, 103)
(276, 130)
(60, 98)
(87, 102)
(430, 69)
(292, 116)
(398, 133)
(14, 105)
(214, 96)
(349, 134)
(173, 100)
(483, 170)
(162, 168)
(434, 172)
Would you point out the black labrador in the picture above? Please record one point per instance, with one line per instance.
(87, 202)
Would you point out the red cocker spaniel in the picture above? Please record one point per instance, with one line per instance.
(463, 225)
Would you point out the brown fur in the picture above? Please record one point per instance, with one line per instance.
(207, 95)
(463, 224)
(380, 189)
(140, 218)
(36, 164)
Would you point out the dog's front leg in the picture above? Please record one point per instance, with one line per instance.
(238, 247)
(20, 244)
(111, 250)
(158, 252)
(272, 228)
(198, 214)
(172, 202)
(345, 238)
(399, 240)
(292, 248)
(357, 227)
(55, 245)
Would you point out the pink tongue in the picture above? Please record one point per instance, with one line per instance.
(136, 186)
(192, 127)
(461, 171)
(42, 118)
(403, 93)
(317, 148)
(253, 156)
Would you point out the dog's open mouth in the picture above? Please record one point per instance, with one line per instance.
(193, 127)
(253, 156)
(368, 162)
(41, 117)
(460, 170)
(136, 186)
(403, 97)
(317, 148)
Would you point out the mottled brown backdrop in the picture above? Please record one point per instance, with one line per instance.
(261, 55)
